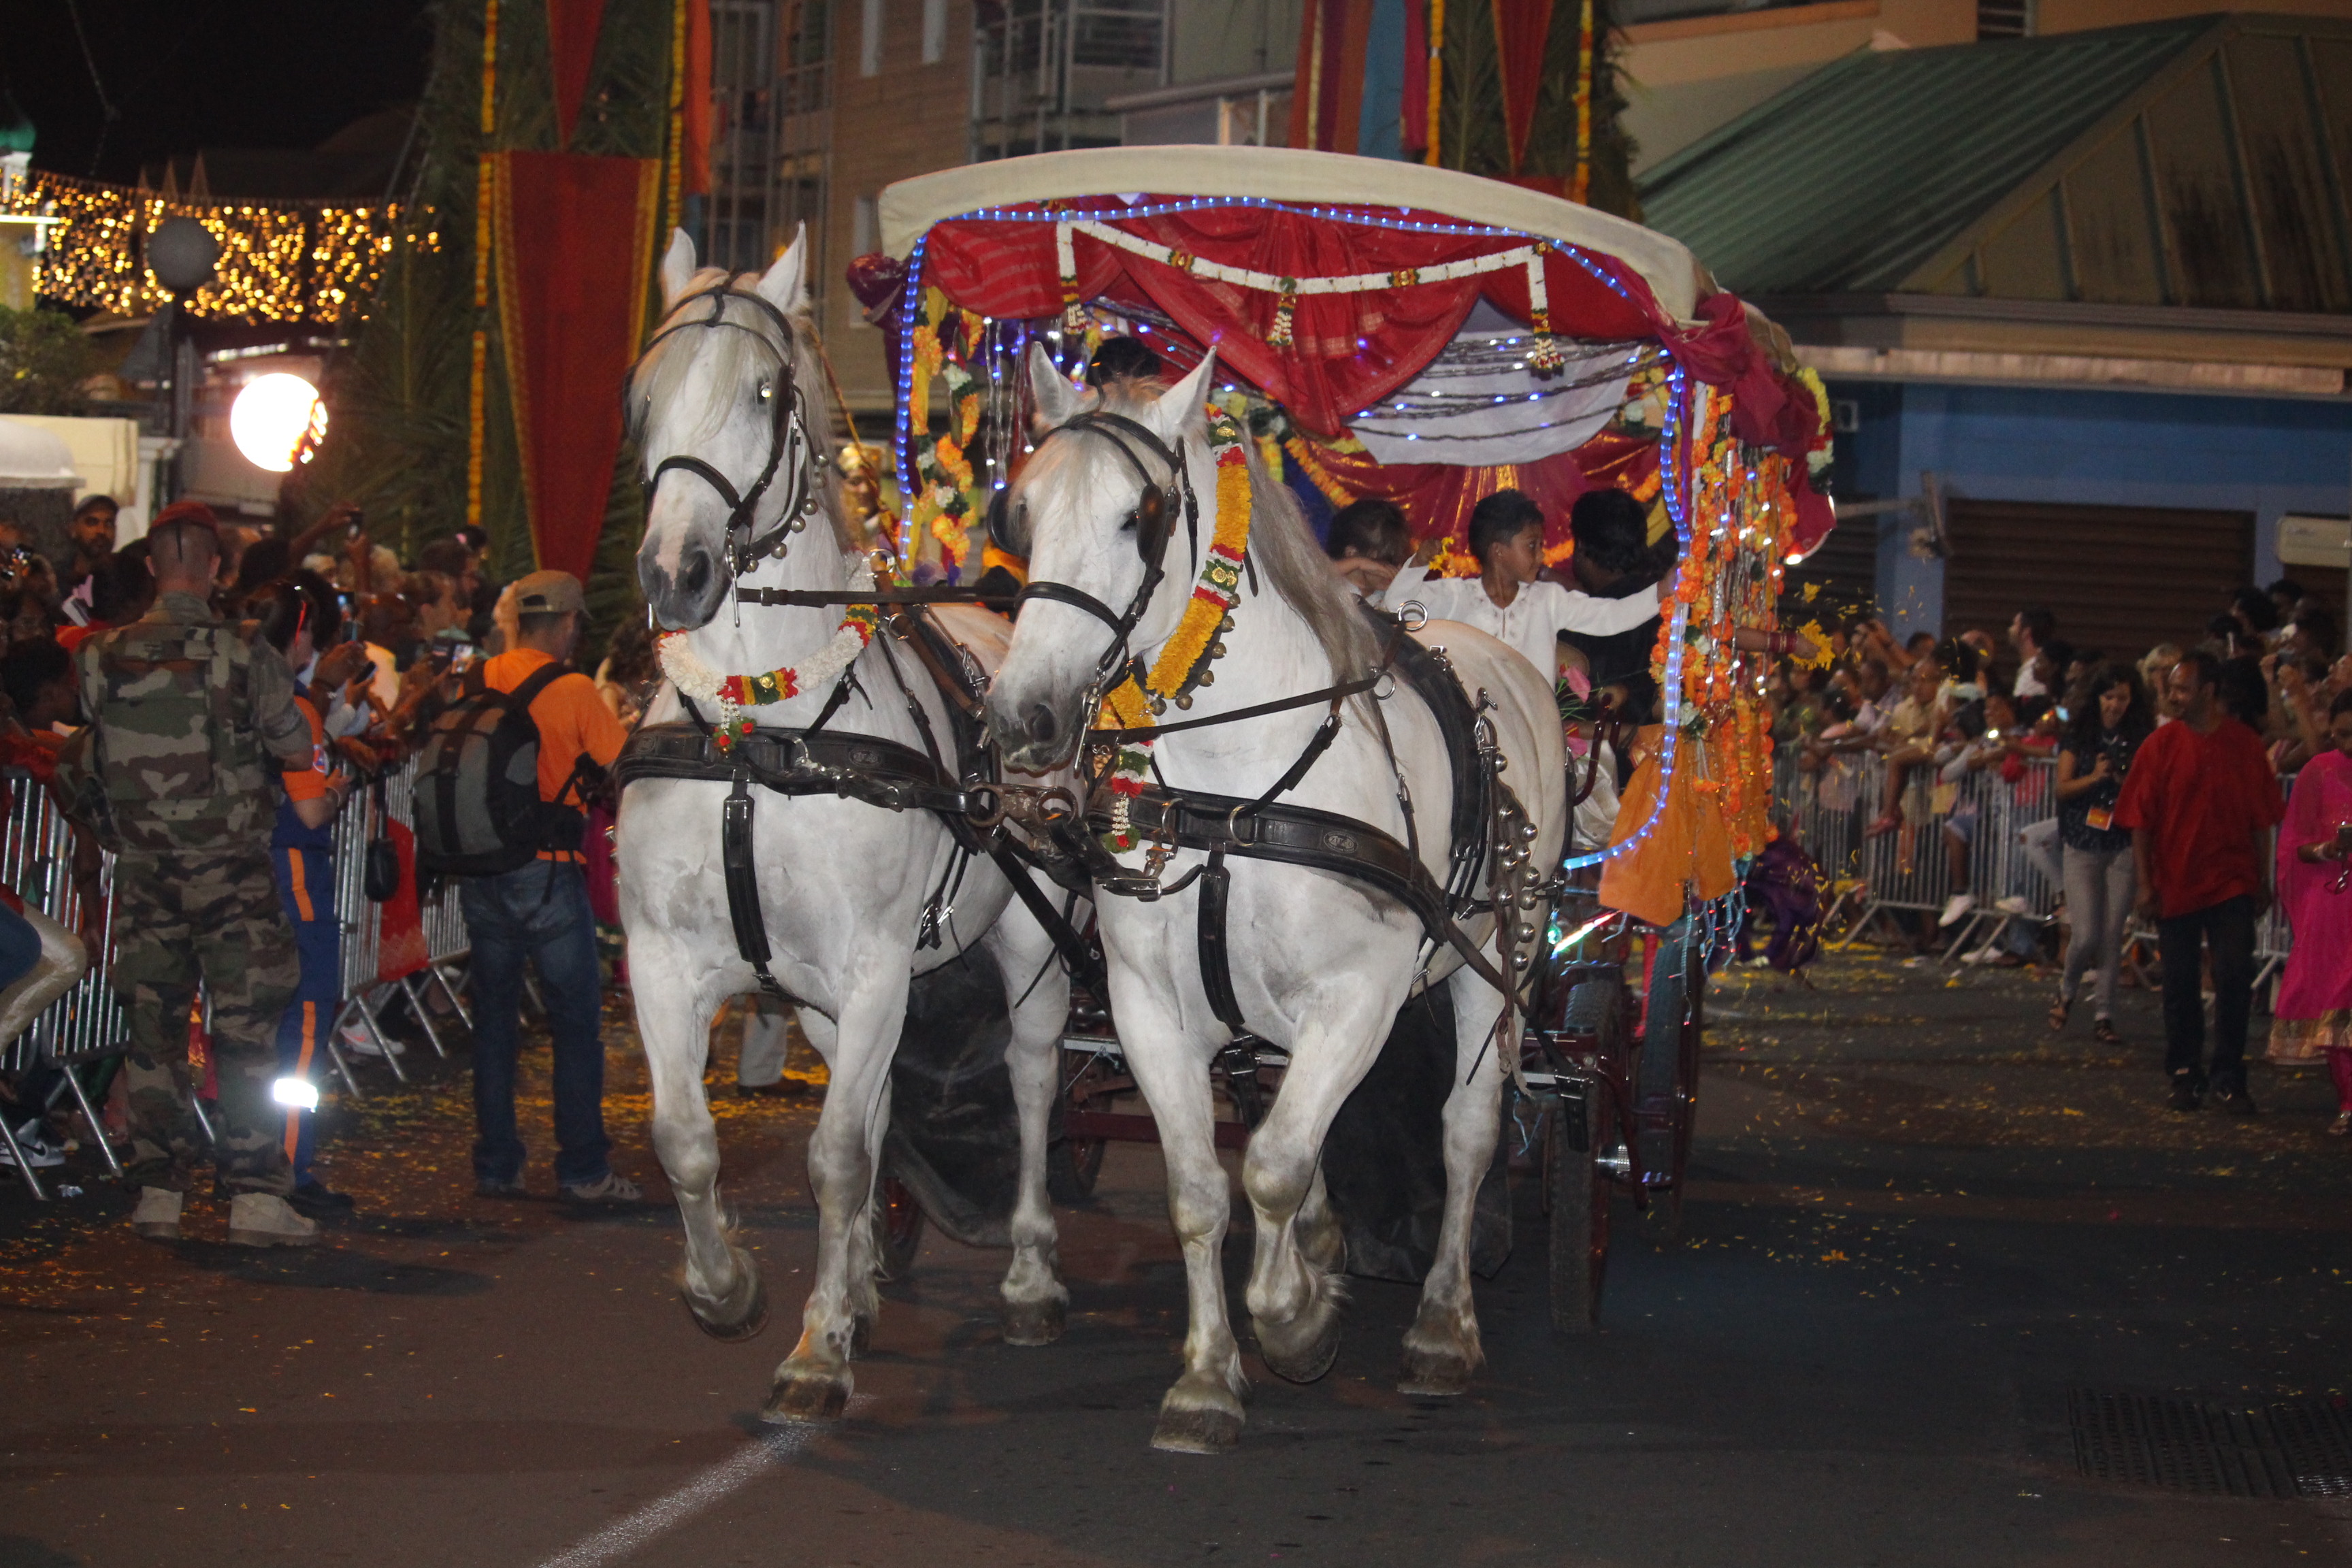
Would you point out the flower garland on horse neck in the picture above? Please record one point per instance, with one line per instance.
(1184, 662)
(732, 693)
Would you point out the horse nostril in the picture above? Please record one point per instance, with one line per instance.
(1041, 724)
(697, 577)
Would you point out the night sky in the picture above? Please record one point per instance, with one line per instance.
(186, 74)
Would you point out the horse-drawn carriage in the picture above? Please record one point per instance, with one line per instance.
(1314, 855)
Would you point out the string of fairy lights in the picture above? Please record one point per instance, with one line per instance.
(280, 261)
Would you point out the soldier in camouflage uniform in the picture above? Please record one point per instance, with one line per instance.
(183, 710)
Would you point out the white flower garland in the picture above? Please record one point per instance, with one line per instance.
(698, 682)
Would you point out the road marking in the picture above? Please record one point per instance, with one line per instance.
(776, 1446)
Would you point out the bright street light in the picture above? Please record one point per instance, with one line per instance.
(271, 417)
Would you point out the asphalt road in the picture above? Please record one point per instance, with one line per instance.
(1915, 1225)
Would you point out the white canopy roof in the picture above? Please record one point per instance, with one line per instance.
(1288, 174)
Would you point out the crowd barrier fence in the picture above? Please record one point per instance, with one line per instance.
(1910, 869)
(88, 1023)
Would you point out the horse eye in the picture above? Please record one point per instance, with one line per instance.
(766, 392)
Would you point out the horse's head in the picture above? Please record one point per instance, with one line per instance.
(713, 403)
(1096, 502)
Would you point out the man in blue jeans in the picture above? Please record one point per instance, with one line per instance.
(2200, 801)
(540, 912)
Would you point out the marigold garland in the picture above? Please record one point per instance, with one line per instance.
(1130, 706)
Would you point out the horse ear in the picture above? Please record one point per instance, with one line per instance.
(676, 268)
(1057, 401)
(1182, 402)
(785, 285)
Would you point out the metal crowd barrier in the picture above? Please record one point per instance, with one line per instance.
(1829, 808)
(88, 1022)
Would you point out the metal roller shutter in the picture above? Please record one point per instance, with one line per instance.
(2119, 578)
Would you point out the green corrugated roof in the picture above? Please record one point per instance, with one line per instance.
(1849, 180)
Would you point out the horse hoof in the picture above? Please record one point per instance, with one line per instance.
(804, 1398)
(1190, 1431)
(1038, 1322)
(1301, 1363)
(726, 1324)
(1434, 1373)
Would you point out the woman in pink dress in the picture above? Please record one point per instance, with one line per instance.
(2314, 1016)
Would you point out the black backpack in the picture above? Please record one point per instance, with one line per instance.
(477, 808)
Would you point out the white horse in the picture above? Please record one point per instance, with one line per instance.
(1319, 962)
(844, 886)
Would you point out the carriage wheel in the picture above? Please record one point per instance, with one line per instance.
(1071, 1166)
(1577, 1197)
(901, 1229)
(1668, 1081)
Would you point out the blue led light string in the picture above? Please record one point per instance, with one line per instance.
(909, 307)
(1674, 477)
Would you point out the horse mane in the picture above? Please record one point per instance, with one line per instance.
(661, 375)
(1282, 547)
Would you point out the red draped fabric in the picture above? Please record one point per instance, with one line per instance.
(1522, 27)
(1437, 498)
(1348, 351)
(574, 248)
(572, 29)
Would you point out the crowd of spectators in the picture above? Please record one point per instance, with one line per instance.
(2171, 768)
(376, 644)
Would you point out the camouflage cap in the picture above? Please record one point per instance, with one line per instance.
(549, 594)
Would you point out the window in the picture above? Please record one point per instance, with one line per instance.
(2004, 18)
(869, 39)
(867, 230)
(935, 31)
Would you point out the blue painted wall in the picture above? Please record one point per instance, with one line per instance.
(2266, 455)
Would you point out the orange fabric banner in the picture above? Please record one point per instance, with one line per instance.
(575, 238)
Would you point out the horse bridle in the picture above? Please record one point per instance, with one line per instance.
(787, 434)
(1152, 520)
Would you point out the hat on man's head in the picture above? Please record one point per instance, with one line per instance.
(187, 514)
(91, 503)
(549, 594)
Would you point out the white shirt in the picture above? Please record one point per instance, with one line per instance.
(1533, 620)
(2028, 684)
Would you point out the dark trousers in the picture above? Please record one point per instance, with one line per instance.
(306, 892)
(538, 914)
(2227, 928)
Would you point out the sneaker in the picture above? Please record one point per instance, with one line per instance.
(359, 1042)
(2187, 1094)
(2237, 1103)
(157, 1217)
(315, 1199)
(265, 1219)
(33, 1138)
(2015, 904)
(491, 1187)
(1987, 953)
(610, 1189)
(1955, 907)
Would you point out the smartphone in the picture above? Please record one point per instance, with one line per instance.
(1992, 734)
(358, 525)
(461, 658)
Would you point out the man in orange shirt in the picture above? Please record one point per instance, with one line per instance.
(539, 913)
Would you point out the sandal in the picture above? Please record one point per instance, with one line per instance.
(2103, 1031)
(2058, 1011)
